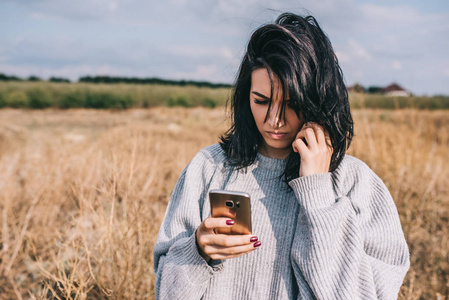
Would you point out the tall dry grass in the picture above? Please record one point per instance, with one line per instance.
(83, 192)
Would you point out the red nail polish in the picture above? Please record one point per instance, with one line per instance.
(229, 222)
(253, 239)
(257, 244)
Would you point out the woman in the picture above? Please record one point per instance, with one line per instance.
(324, 225)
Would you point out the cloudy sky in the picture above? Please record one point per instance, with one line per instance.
(377, 41)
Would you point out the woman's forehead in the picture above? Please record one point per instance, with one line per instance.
(261, 83)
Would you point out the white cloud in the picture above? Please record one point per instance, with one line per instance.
(70, 10)
(343, 57)
(396, 65)
(352, 53)
(201, 51)
(113, 6)
(358, 51)
(71, 72)
(445, 72)
(358, 75)
(388, 17)
(201, 72)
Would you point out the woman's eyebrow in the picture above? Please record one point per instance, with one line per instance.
(260, 95)
(265, 97)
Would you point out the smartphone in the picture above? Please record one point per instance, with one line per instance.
(233, 205)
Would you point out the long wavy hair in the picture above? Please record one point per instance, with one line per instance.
(298, 52)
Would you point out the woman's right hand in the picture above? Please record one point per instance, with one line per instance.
(222, 246)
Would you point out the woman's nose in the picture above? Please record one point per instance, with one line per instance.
(274, 119)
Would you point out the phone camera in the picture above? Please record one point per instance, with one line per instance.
(237, 204)
(229, 203)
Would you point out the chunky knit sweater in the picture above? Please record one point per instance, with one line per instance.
(335, 235)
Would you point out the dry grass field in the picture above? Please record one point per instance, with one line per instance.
(83, 192)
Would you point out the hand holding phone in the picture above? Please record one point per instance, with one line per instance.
(234, 205)
(217, 236)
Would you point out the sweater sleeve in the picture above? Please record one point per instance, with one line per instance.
(181, 272)
(349, 246)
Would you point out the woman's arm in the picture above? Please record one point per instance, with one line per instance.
(349, 242)
(188, 252)
(181, 272)
(352, 246)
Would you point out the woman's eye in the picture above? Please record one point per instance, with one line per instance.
(263, 102)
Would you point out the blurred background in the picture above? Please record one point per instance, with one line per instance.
(378, 42)
(104, 102)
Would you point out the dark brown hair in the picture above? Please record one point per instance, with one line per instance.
(300, 54)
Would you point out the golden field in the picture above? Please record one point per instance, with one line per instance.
(83, 193)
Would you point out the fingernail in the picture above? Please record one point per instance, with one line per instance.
(229, 222)
(253, 239)
(257, 244)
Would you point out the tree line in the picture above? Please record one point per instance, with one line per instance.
(116, 79)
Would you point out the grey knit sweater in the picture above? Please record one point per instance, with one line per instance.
(330, 236)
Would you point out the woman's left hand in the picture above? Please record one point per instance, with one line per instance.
(317, 153)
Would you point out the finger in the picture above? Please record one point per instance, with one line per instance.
(300, 146)
(216, 252)
(294, 146)
(319, 133)
(311, 137)
(211, 223)
(308, 134)
(224, 240)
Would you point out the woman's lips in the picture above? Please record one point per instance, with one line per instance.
(277, 135)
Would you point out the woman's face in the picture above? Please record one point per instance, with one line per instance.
(278, 132)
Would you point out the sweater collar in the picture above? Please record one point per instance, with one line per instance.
(268, 163)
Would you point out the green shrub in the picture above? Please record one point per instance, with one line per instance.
(75, 99)
(107, 100)
(2, 100)
(95, 100)
(98, 100)
(17, 99)
(179, 101)
(39, 99)
(125, 101)
(210, 103)
(146, 103)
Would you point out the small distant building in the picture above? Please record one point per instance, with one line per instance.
(395, 89)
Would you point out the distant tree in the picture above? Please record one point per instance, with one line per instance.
(107, 79)
(34, 78)
(373, 89)
(358, 88)
(4, 77)
(58, 79)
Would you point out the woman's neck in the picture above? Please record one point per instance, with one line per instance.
(274, 152)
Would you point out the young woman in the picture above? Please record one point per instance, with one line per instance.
(324, 225)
